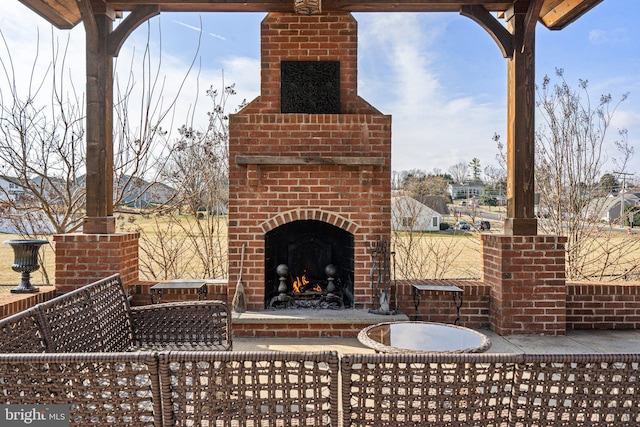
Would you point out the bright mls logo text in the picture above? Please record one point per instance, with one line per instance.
(35, 415)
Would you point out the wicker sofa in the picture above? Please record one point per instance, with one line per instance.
(491, 390)
(98, 318)
(193, 388)
(214, 388)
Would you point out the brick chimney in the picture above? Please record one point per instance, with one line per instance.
(307, 149)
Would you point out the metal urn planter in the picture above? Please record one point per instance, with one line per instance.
(25, 262)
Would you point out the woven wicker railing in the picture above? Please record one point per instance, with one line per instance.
(100, 389)
(21, 333)
(282, 389)
(490, 390)
(178, 388)
(98, 318)
(250, 388)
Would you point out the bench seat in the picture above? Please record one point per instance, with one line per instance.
(98, 318)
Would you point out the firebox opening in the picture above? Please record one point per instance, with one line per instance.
(319, 260)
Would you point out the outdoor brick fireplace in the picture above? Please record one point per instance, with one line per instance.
(309, 165)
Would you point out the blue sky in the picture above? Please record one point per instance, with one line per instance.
(439, 75)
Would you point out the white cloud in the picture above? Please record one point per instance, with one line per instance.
(608, 37)
(245, 73)
(432, 126)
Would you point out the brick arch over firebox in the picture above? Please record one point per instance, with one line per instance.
(309, 214)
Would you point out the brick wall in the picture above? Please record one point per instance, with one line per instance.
(11, 304)
(85, 258)
(439, 306)
(527, 279)
(329, 167)
(603, 305)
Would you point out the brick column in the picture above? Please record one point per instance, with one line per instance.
(527, 279)
(85, 258)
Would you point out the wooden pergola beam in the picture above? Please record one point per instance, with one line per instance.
(98, 23)
(63, 16)
(555, 14)
(327, 5)
(521, 218)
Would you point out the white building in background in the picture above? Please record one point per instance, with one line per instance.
(10, 190)
(608, 209)
(613, 207)
(465, 191)
(407, 214)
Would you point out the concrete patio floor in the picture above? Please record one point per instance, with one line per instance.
(582, 341)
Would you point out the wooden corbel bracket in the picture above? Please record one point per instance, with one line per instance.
(497, 31)
(137, 16)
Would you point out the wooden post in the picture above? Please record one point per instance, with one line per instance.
(99, 127)
(521, 219)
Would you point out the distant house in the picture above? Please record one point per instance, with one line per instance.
(437, 203)
(407, 214)
(10, 189)
(608, 208)
(465, 191)
(613, 213)
(53, 188)
(140, 193)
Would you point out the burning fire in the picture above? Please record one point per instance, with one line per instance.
(299, 282)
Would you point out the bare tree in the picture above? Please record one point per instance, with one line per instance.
(569, 162)
(42, 143)
(429, 255)
(188, 238)
(419, 184)
(459, 172)
(42, 149)
(496, 180)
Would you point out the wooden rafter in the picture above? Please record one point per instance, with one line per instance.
(61, 15)
(557, 14)
(327, 5)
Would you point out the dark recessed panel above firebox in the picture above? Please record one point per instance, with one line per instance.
(311, 87)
